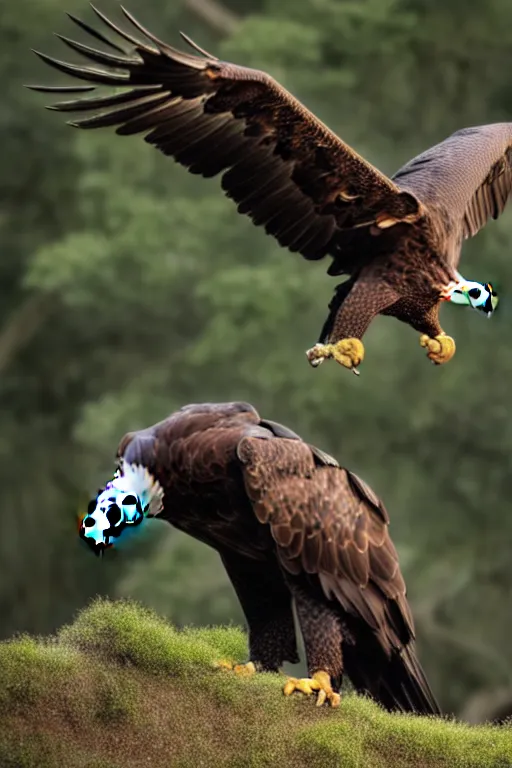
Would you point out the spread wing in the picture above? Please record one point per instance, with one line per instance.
(280, 164)
(469, 174)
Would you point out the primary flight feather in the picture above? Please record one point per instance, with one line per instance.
(398, 239)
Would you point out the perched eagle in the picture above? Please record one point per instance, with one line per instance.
(291, 527)
(398, 239)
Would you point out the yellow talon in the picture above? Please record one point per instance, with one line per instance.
(439, 349)
(224, 664)
(347, 352)
(320, 682)
(243, 670)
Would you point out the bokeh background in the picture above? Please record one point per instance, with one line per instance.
(129, 288)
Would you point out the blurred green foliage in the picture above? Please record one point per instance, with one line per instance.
(130, 288)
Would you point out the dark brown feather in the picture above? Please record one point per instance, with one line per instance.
(280, 164)
(345, 526)
(272, 504)
(399, 239)
(465, 180)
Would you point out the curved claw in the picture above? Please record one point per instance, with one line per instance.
(243, 670)
(320, 682)
(347, 352)
(440, 349)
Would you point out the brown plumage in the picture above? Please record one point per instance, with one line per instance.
(398, 239)
(290, 525)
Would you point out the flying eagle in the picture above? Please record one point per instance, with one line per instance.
(398, 239)
(291, 527)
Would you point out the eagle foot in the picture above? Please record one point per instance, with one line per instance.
(347, 352)
(320, 682)
(242, 670)
(440, 349)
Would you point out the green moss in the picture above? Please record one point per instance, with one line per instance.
(126, 633)
(116, 698)
(44, 750)
(371, 737)
(229, 643)
(32, 751)
(121, 687)
(27, 665)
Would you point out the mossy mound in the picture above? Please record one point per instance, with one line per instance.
(121, 688)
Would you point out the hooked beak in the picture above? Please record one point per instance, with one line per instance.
(492, 302)
(99, 549)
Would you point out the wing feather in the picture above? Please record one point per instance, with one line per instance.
(469, 175)
(326, 521)
(281, 165)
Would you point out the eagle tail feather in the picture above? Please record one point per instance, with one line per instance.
(404, 687)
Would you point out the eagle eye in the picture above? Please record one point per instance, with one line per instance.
(113, 514)
(474, 293)
(88, 522)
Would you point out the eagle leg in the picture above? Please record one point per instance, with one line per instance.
(320, 681)
(322, 635)
(267, 605)
(355, 304)
(347, 352)
(440, 349)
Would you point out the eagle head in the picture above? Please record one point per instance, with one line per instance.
(126, 500)
(481, 296)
